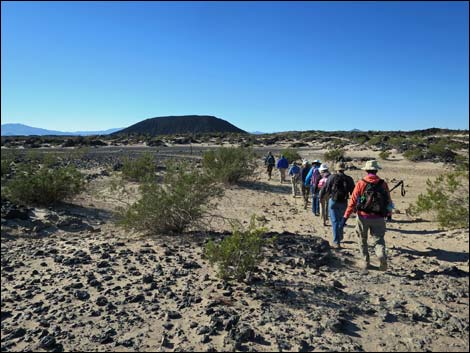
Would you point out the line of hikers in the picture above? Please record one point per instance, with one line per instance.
(335, 196)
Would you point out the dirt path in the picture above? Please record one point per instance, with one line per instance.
(89, 285)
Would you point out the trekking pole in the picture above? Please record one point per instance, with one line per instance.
(402, 191)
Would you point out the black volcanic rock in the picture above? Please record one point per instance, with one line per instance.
(186, 124)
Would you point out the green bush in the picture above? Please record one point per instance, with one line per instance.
(414, 154)
(375, 140)
(139, 169)
(384, 154)
(173, 206)
(291, 155)
(6, 166)
(447, 198)
(239, 253)
(334, 155)
(229, 164)
(40, 185)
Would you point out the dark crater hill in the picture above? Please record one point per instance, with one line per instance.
(185, 124)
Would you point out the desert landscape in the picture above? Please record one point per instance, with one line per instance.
(74, 280)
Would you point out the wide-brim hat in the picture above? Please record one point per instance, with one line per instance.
(340, 166)
(323, 167)
(316, 161)
(304, 162)
(371, 165)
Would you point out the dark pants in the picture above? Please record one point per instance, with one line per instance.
(337, 209)
(315, 202)
(270, 170)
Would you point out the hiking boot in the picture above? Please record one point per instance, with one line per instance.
(383, 264)
(337, 245)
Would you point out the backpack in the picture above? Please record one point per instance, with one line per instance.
(270, 160)
(315, 178)
(374, 200)
(339, 189)
(322, 181)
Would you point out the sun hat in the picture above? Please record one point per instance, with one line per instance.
(371, 165)
(316, 161)
(340, 166)
(304, 162)
(323, 167)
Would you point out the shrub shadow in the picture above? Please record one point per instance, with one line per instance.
(263, 186)
(439, 254)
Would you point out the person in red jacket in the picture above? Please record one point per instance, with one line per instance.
(371, 201)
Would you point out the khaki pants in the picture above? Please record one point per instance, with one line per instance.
(282, 171)
(295, 184)
(305, 193)
(377, 233)
(324, 208)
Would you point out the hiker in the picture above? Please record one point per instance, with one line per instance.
(338, 187)
(323, 197)
(282, 165)
(294, 173)
(305, 189)
(371, 201)
(312, 179)
(269, 162)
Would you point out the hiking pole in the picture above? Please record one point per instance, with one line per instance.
(402, 191)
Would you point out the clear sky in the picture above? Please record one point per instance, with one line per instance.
(266, 66)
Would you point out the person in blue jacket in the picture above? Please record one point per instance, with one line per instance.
(312, 179)
(295, 178)
(282, 165)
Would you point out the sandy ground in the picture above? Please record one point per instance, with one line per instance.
(100, 288)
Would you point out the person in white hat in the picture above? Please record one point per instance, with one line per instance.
(371, 201)
(325, 173)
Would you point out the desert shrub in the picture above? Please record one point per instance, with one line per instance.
(384, 154)
(447, 198)
(291, 154)
(334, 155)
(229, 164)
(375, 140)
(172, 206)
(139, 169)
(40, 185)
(414, 154)
(239, 253)
(6, 163)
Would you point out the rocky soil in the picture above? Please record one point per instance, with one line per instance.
(74, 281)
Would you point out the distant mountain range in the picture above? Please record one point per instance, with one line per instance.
(25, 130)
(185, 124)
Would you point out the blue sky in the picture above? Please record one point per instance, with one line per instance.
(267, 66)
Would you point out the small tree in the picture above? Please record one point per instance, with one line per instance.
(239, 253)
(180, 202)
(447, 198)
(229, 164)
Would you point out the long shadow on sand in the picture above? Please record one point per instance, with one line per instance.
(262, 186)
(416, 232)
(439, 254)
